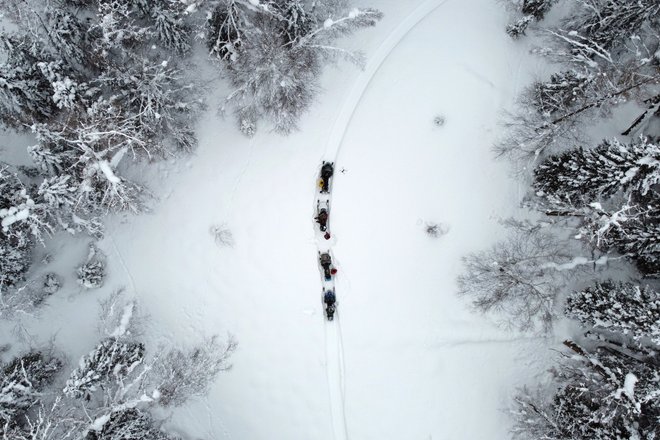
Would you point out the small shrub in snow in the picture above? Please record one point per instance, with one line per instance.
(52, 283)
(439, 121)
(119, 316)
(92, 273)
(517, 29)
(222, 235)
(435, 230)
(532, 10)
(181, 374)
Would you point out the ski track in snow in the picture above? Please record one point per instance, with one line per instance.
(335, 367)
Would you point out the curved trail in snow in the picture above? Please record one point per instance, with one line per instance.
(373, 65)
(334, 349)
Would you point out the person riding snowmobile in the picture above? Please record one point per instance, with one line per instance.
(326, 173)
(326, 262)
(322, 219)
(330, 304)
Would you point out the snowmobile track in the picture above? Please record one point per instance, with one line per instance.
(371, 69)
(335, 368)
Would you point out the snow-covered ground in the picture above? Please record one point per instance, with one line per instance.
(405, 358)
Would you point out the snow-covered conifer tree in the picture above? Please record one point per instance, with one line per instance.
(582, 176)
(624, 308)
(91, 274)
(531, 10)
(598, 394)
(612, 189)
(125, 424)
(21, 383)
(110, 361)
(24, 90)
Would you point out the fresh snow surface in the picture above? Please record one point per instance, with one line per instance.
(405, 358)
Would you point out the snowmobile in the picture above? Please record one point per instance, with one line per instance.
(327, 170)
(322, 214)
(330, 302)
(325, 260)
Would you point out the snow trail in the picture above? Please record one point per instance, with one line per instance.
(373, 65)
(335, 373)
(335, 367)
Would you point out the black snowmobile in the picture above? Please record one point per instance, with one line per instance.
(326, 263)
(322, 214)
(330, 302)
(327, 170)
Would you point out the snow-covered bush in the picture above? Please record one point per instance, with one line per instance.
(274, 53)
(623, 308)
(52, 283)
(109, 362)
(21, 383)
(222, 235)
(436, 230)
(91, 274)
(180, 374)
(120, 317)
(439, 121)
(531, 10)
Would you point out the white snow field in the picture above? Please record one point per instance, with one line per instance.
(405, 358)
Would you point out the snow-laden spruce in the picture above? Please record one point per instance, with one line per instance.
(582, 176)
(21, 384)
(624, 308)
(111, 360)
(597, 394)
(611, 189)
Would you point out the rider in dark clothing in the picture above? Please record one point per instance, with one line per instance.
(322, 219)
(326, 173)
(330, 304)
(326, 262)
(329, 298)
